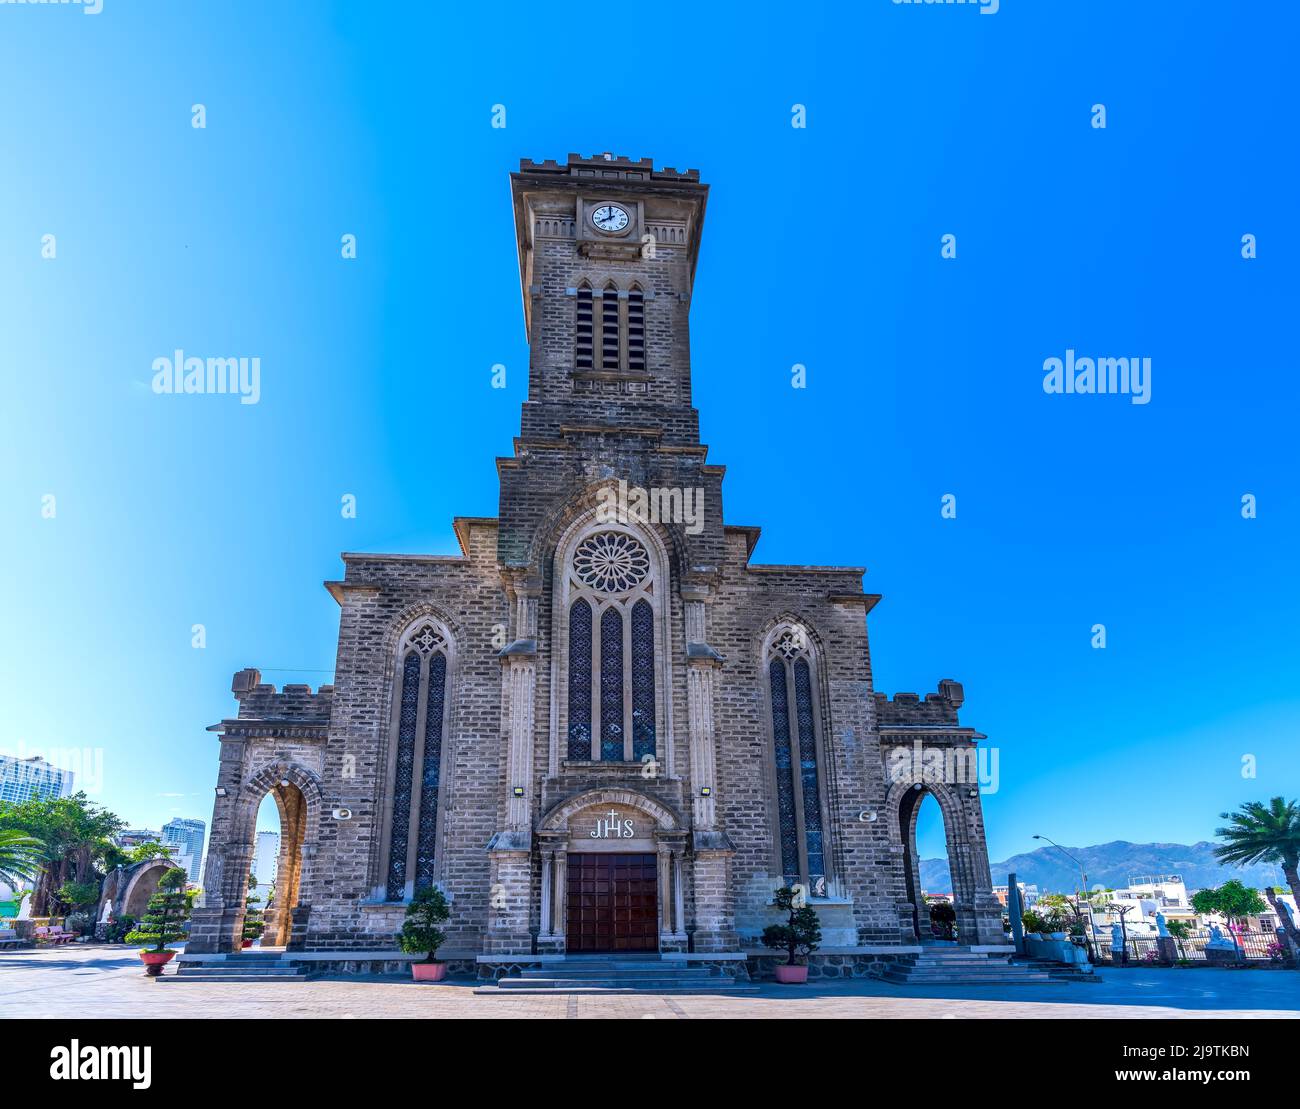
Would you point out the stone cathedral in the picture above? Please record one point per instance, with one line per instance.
(600, 727)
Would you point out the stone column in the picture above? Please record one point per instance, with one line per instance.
(544, 918)
(219, 917)
(510, 849)
(665, 892)
(560, 923)
(701, 661)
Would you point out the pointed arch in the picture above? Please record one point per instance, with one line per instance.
(584, 329)
(420, 722)
(610, 589)
(796, 759)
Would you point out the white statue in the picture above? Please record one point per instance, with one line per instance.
(25, 905)
(106, 916)
(1161, 929)
(1219, 940)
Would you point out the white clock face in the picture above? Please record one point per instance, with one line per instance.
(609, 217)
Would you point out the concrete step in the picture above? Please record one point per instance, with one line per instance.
(566, 971)
(243, 972)
(626, 981)
(718, 985)
(284, 976)
(958, 978)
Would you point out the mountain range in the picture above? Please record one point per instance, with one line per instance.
(1112, 865)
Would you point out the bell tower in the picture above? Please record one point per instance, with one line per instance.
(607, 255)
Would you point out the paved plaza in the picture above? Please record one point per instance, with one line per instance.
(107, 982)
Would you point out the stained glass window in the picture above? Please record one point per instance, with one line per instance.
(434, 700)
(643, 680)
(403, 779)
(611, 684)
(787, 818)
(580, 681)
(812, 811)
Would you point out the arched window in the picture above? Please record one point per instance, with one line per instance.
(421, 711)
(795, 728)
(585, 329)
(610, 588)
(609, 329)
(635, 329)
(613, 337)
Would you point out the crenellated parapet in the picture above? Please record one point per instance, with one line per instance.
(909, 710)
(608, 167)
(292, 712)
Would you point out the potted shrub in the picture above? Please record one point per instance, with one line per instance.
(799, 936)
(254, 925)
(421, 934)
(161, 923)
(943, 920)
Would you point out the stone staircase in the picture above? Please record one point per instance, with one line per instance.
(247, 966)
(960, 966)
(615, 974)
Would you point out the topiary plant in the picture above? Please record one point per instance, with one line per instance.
(420, 931)
(801, 934)
(161, 923)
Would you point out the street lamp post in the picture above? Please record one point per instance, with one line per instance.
(1083, 891)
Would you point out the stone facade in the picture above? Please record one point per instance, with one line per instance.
(591, 688)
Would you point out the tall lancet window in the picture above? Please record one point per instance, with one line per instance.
(801, 840)
(421, 705)
(611, 591)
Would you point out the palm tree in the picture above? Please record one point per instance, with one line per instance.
(1269, 833)
(20, 856)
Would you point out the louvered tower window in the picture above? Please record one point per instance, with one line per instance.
(635, 329)
(583, 351)
(609, 338)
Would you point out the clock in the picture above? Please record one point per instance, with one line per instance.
(609, 217)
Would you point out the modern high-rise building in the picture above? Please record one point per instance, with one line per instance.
(186, 836)
(24, 779)
(266, 857)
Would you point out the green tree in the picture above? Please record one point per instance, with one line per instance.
(74, 896)
(1232, 901)
(1181, 930)
(420, 931)
(167, 911)
(254, 925)
(20, 856)
(1259, 833)
(152, 849)
(801, 934)
(77, 835)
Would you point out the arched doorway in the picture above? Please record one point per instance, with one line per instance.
(913, 805)
(924, 835)
(276, 859)
(611, 879)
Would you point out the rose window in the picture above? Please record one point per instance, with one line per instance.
(611, 562)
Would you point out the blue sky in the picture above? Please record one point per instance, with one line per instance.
(821, 247)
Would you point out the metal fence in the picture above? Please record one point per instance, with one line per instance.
(1255, 947)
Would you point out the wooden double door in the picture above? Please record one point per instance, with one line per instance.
(613, 903)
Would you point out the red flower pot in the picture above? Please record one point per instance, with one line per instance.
(791, 975)
(245, 943)
(154, 961)
(428, 972)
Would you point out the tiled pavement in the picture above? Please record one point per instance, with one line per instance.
(107, 982)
